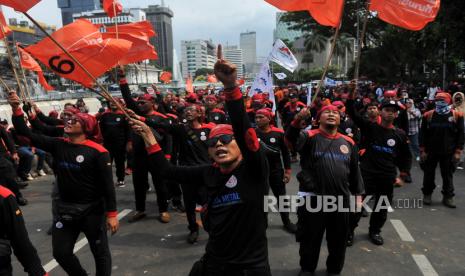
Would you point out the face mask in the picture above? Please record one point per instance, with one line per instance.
(442, 107)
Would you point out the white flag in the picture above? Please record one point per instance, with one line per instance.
(282, 55)
(263, 82)
(309, 95)
(280, 76)
(330, 82)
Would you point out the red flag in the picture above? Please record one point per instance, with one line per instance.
(20, 5)
(165, 77)
(241, 81)
(139, 34)
(112, 6)
(412, 15)
(212, 79)
(27, 62)
(5, 27)
(83, 40)
(189, 85)
(325, 12)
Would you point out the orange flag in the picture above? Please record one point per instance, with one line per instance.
(212, 79)
(20, 5)
(27, 62)
(189, 85)
(5, 27)
(411, 15)
(84, 41)
(165, 77)
(139, 34)
(110, 10)
(241, 81)
(325, 12)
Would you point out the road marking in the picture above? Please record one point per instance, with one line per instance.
(81, 243)
(424, 265)
(402, 230)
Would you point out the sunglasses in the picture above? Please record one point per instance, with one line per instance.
(224, 139)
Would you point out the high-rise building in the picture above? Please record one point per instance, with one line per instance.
(283, 30)
(69, 7)
(197, 54)
(248, 44)
(160, 17)
(234, 55)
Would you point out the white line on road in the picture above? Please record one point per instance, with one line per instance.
(402, 230)
(80, 244)
(424, 265)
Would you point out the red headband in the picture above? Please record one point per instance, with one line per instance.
(88, 123)
(390, 93)
(265, 112)
(327, 107)
(221, 130)
(444, 96)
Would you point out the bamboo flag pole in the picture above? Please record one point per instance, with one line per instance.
(24, 75)
(117, 36)
(10, 56)
(328, 61)
(105, 92)
(5, 85)
(359, 52)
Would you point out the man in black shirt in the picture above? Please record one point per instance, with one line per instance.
(13, 234)
(386, 150)
(329, 162)
(441, 141)
(87, 195)
(276, 149)
(236, 185)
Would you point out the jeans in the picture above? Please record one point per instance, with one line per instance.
(26, 156)
(414, 145)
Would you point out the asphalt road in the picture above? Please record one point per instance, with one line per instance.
(419, 241)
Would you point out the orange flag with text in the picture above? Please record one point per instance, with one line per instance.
(27, 62)
(20, 5)
(325, 12)
(139, 34)
(411, 15)
(84, 41)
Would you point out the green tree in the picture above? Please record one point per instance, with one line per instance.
(203, 72)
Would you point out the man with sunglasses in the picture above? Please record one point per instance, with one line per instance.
(236, 185)
(279, 159)
(146, 107)
(87, 201)
(329, 162)
(441, 141)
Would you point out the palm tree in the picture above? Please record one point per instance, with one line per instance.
(314, 42)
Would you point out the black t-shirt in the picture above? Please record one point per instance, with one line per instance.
(276, 149)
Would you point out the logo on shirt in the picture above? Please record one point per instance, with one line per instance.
(344, 149)
(232, 182)
(451, 119)
(118, 119)
(59, 225)
(391, 142)
(217, 118)
(349, 130)
(272, 140)
(80, 159)
(184, 121)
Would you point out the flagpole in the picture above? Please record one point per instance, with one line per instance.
(105, 92)
(328, 61)
(10, 56)
(359, 52)
(5, 85)
(22, 71)
(117, 35)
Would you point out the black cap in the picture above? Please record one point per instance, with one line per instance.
(390, 103)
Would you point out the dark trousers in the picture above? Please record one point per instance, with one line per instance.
(278, 187)
(8, 176)
(65, 235)
(140, 178)
(377, 188)
(206, 268)
(193, 194)
(447, 172)
(5, 266)
(311, 227)
(118, 154)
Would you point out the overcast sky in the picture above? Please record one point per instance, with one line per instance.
(220, 20)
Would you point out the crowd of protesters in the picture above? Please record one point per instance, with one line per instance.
(220, 152)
